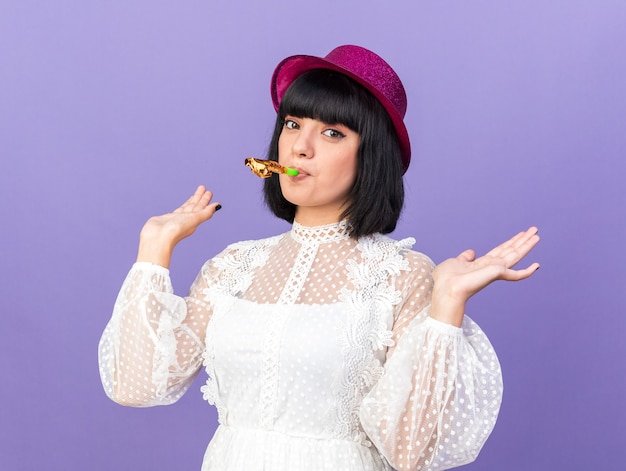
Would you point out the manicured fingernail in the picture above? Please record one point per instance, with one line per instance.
(218, 207)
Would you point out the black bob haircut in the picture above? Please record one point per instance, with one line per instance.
(377, 196)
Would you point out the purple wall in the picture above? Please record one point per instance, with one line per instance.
(113, 111)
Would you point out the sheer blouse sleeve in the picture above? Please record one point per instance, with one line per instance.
(440, 394)
(151, 348)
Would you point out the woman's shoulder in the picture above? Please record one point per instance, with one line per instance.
(245, 248)
(405, 248)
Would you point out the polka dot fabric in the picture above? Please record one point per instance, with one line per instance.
(319, 353)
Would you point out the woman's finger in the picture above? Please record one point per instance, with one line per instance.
(519, 251)
(516, 242)
(195, 201)
(517, 275)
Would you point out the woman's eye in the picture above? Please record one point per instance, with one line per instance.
(291, 124)
(333, 133)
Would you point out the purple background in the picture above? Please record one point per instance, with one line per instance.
(114, 111)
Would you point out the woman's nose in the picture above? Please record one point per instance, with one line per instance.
(303, 145)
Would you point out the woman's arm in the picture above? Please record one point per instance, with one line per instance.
(439, 397)
(151, 348)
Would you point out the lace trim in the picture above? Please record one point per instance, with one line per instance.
(275, 328)
(166, 366)
(271, 366)
(372, 301)
(320, 234)
(235, 268)
(299, 273)
(236, 265)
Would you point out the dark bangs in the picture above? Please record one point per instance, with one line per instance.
(326, 96)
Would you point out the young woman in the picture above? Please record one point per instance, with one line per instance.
(330, 347)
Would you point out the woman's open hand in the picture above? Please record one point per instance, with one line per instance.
(459, 278)
(160, 234)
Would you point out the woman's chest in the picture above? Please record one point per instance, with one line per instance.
(253, 340)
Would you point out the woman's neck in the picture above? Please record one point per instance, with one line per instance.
(312, 218)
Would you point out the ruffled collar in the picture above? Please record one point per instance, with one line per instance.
(320, 234)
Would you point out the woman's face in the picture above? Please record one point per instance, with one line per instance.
(325, 156)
